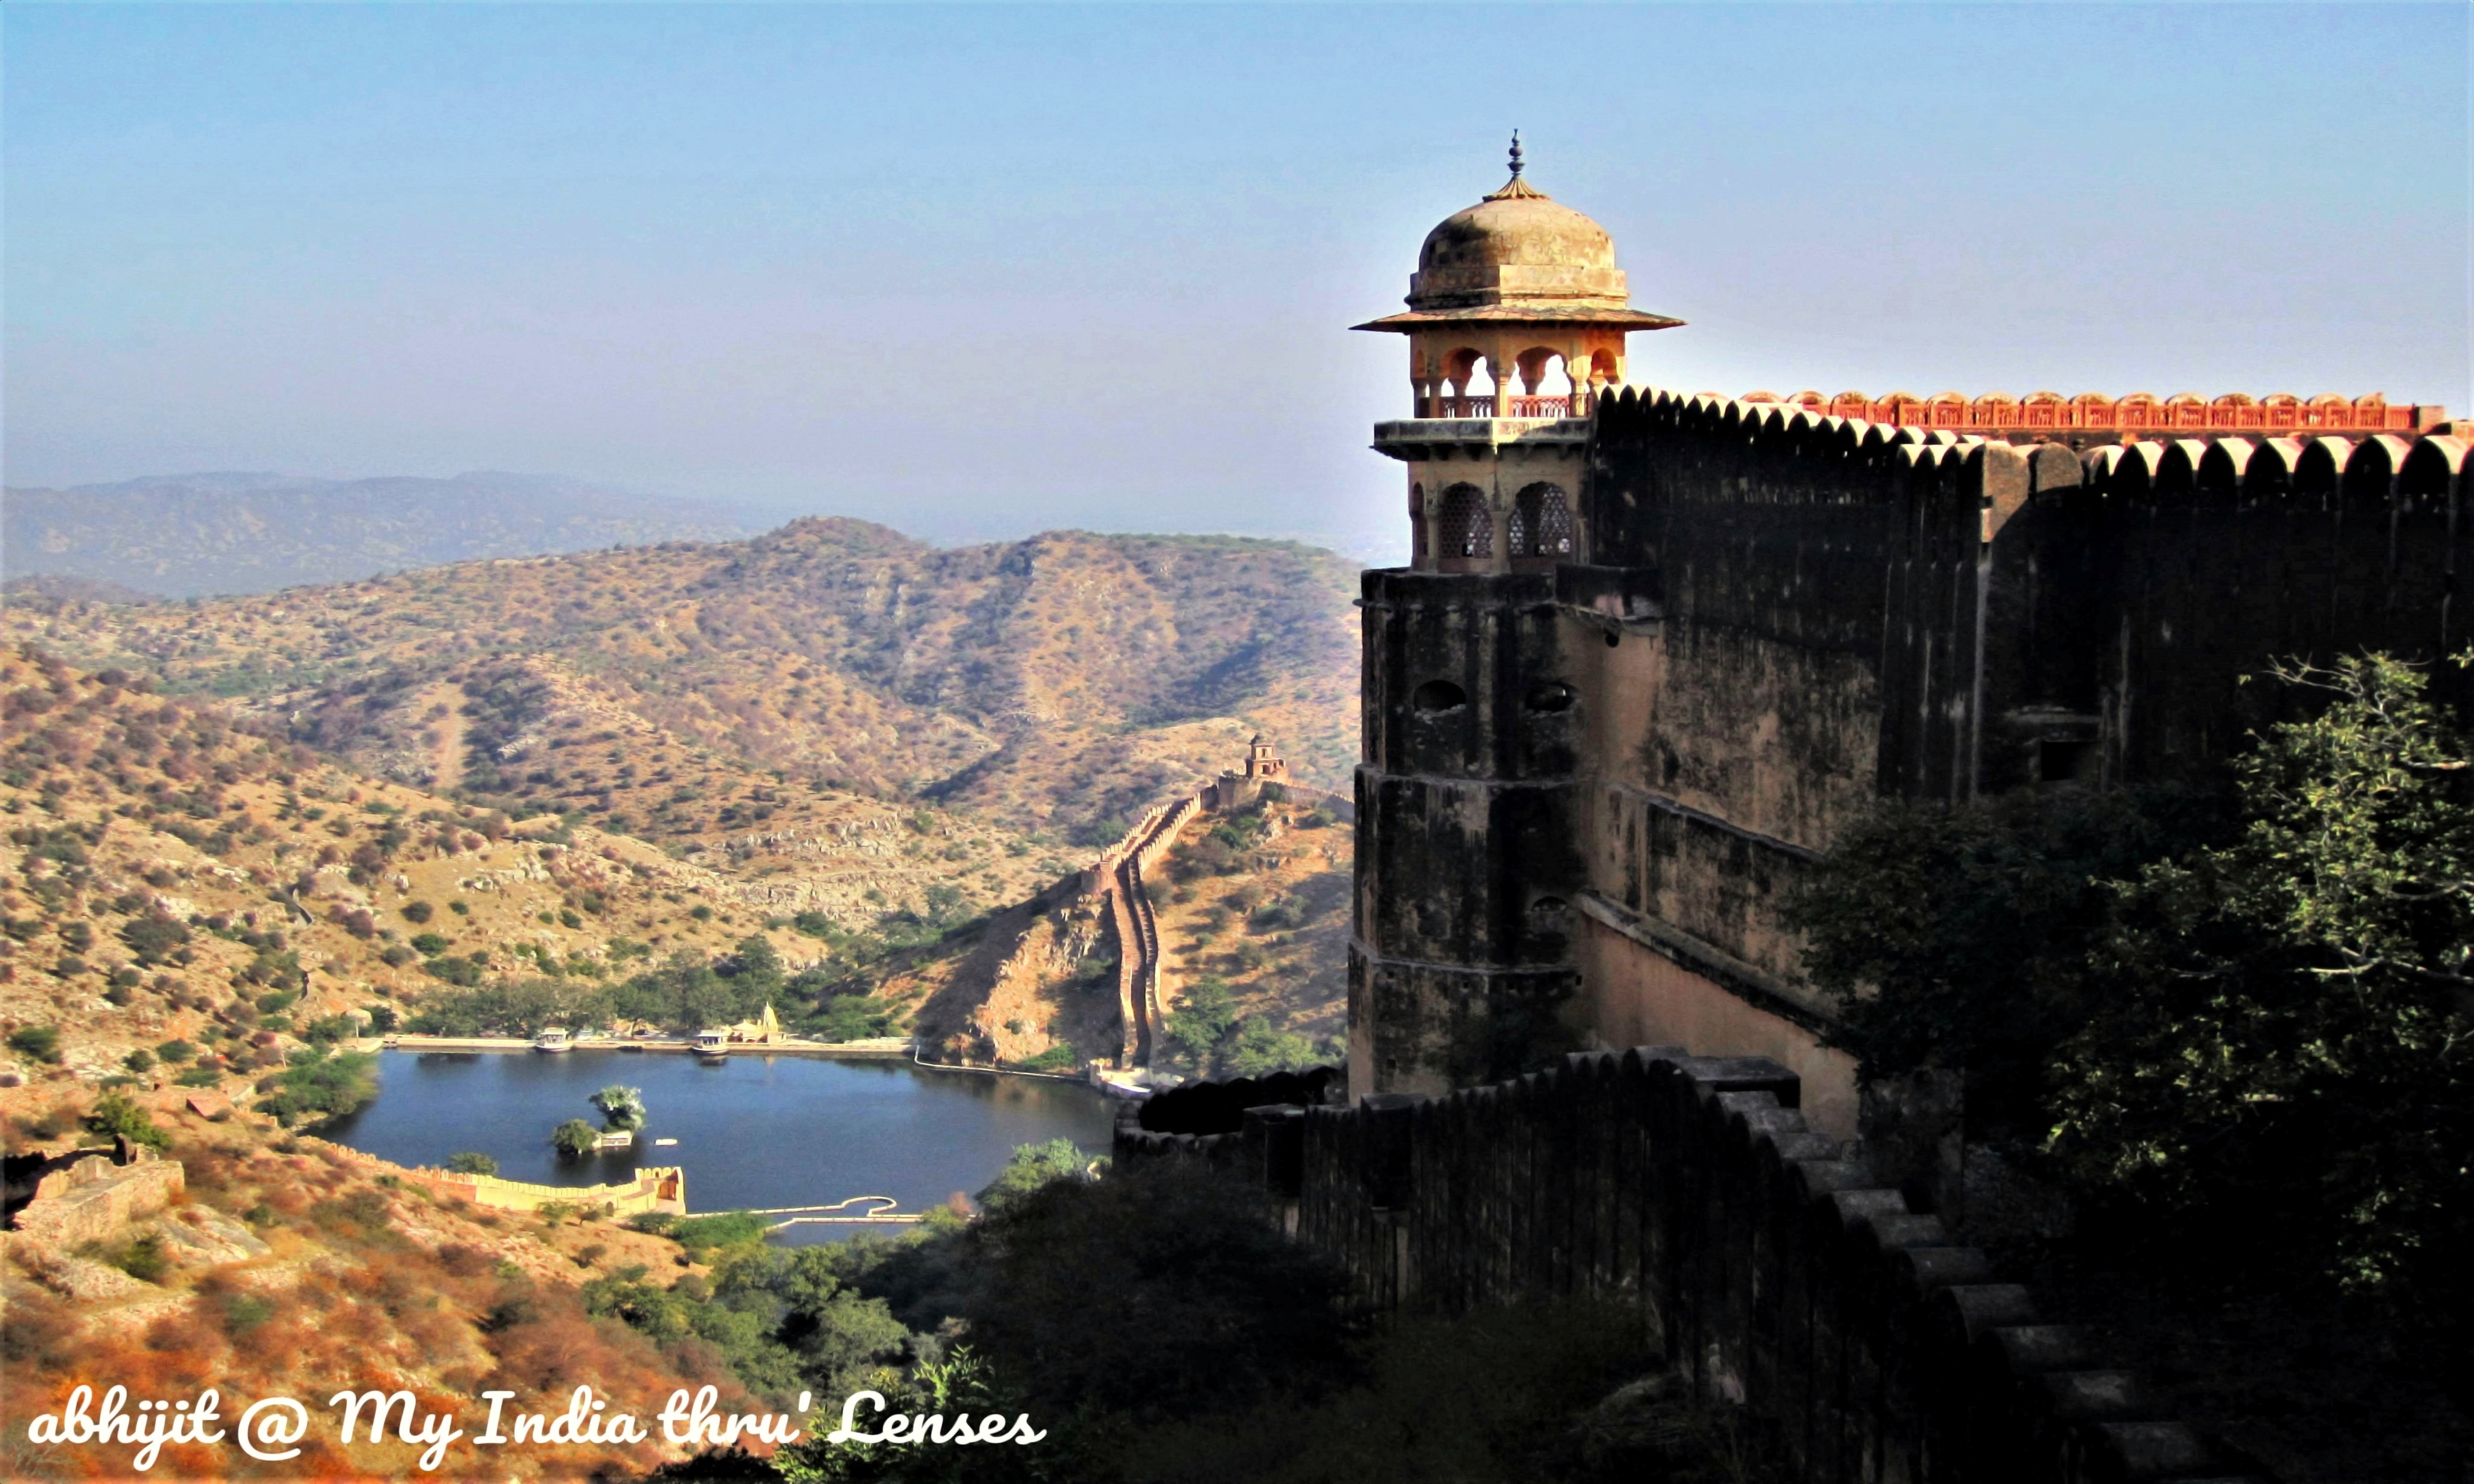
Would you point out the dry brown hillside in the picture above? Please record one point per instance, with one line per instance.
(168, 876)
(684, 691)
(169, 871)
(293, 1267)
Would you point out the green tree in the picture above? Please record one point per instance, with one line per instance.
(754, 967)
(2287, 1039)
(1204, 1013)
(851, 1017)
(1260, 1050)
(1032, 1167)
(471, 1162)
(43, 1043)
(620, 1107)
(114, 1113)
(318, 1086)
(946, 905)
(574, 1138)
(1959, 937)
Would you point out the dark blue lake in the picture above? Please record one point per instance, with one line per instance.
(753, 1131)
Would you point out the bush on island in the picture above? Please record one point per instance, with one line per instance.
(620, 1107)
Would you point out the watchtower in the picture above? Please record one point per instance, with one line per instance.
(1469, 853)
(1525, 292)
(1263, 762)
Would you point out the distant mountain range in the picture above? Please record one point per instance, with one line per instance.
(195, 534)
(1058, 682)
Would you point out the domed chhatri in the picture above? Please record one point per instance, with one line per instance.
(1519, 246)
(1519, 255)
(1525, 292)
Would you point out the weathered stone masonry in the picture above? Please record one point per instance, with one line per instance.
(1848, 612)
(1774, 1272)
(1600, 752)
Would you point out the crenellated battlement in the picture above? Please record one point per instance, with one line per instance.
(1815, 455)
(2140, 412)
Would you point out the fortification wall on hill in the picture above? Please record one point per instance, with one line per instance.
(94, 1196)
(1122, 873)
(1778, 1273)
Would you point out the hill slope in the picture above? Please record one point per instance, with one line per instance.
(1058, 683)
(188, 534)
(170, 878)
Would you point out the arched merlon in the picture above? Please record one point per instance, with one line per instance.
(2130, 586)
(1814, 457)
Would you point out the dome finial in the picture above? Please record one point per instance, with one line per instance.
(1516, 188)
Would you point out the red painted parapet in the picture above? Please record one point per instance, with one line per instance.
(2139, 412)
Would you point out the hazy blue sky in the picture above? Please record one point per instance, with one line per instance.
(985, 271)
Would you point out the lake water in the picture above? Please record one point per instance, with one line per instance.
(753, 1131)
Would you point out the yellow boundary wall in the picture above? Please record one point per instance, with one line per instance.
(660, 1187)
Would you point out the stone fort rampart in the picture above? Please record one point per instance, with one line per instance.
(1122, 874)
(1777, 1272)
(1588, 787)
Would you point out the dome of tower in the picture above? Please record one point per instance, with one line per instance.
(1517, 244)
(1518, 256)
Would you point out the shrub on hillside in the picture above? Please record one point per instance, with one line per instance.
(113, 1113)
(41, 1043)
(154, 938)
(1056, 1058)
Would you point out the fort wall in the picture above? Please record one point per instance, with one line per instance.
(1122, 873)
(1776, 1272)
(93, 1198)
(1782, 616)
